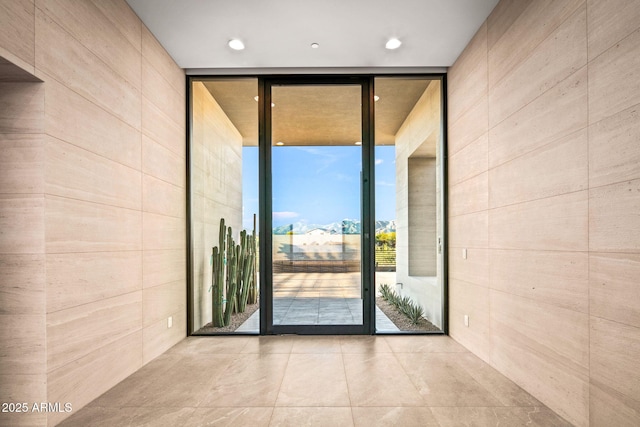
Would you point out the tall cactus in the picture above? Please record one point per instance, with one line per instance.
(239, 308)
(232, 284)
(245, 265)
(253, 289)
(218, 278)
(233, 276)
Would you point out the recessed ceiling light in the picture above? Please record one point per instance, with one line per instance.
(358, 142)
(393, 44)
(236, 44)
(315, 45)
(376, 98)
(279, 143)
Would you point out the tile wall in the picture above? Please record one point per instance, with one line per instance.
(93, 235)
(543, 126)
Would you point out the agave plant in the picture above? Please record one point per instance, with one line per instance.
(394, 298)
(385, 291)
(415, 313)
(403, 304)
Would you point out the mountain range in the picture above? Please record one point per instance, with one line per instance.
(346, 226)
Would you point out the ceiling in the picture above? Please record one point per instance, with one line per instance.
(318, 115)
(279, 33)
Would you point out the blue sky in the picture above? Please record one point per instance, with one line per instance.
(319, 185)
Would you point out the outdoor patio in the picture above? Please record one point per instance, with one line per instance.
(320, 298)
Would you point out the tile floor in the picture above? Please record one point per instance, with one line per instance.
(316, 381)
(252, 324)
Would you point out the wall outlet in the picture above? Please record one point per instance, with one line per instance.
(169, 321)
(466, 320)
(464, 253)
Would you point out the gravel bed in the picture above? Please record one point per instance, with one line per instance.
(401, 321)
(236, 320)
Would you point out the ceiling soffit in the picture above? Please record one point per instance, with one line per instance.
(318, 115)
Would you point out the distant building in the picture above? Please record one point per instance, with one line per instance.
(319, 232)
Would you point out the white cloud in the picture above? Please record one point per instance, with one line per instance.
(384, 183)
(379, 161)
(285, 215)
(323, 159)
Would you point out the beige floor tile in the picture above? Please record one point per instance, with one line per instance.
(187, 383)
(442, 382)
(317, 344)
(210, 345)
(250, 379)
(393, 416)
(148, 417)
(360, 344)
(169, 381)
(379, 380)
(489, 417)
(137, 383)
(424, 344)
(505, 390)
(269, 344)
(311, 417)
(230, 417)
(314, 380)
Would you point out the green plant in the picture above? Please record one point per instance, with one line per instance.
(217, 285)
(246, 265)
(233, 278)
(415, 314)
(252, 298)
(385, 291)
(403, 304)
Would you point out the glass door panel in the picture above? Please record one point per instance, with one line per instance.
(316, 200)
(409, 234)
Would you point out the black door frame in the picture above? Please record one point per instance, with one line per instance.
(367, 200)
(368, 103)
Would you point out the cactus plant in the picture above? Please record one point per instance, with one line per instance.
(245, 265)
(218, 262)
(253, 289)
(233, 274)
(232, 284)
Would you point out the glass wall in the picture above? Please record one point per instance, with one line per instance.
(409, 205)
(223, 165)
(316, 197)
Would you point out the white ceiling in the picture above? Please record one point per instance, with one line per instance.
(279, 33)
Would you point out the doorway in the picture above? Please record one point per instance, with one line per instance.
(316, 161)
(339, 179)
